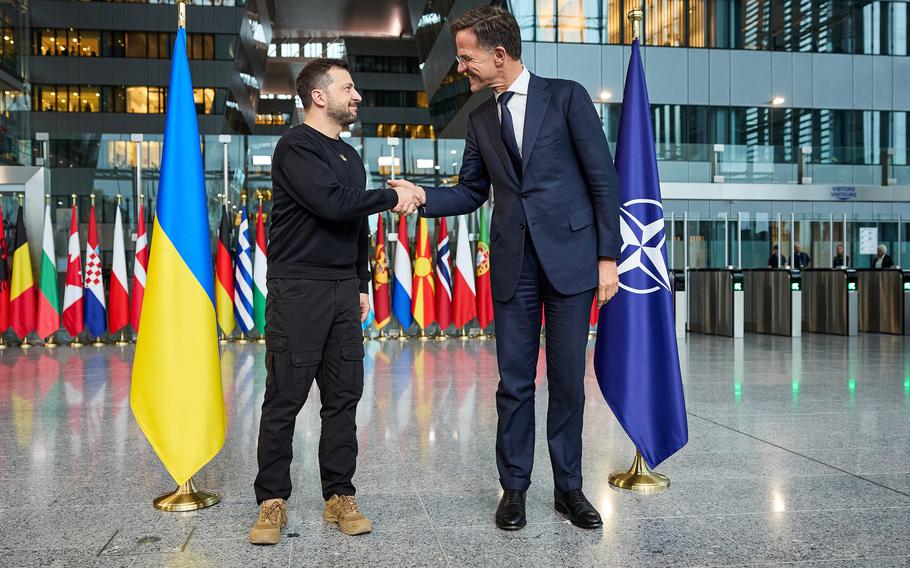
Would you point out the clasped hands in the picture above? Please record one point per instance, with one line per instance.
(410, 196)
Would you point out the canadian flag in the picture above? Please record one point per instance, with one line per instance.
(72, 292)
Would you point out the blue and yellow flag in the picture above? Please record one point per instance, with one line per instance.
(176, 390)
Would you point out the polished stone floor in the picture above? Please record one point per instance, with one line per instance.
(799, 455)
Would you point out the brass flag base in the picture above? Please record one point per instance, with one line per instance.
(441, 336)
(482, 336)
(75, 343)
(382, 336)
(3, 344)
(261, 341)
(98, 342)
(186, 498)
(639, 478)
(49, 344)
(402, 336)
(424, 336)
(25, 344)
(122, 341)
(464, 334)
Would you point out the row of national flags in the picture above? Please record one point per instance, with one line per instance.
(28, 307)
(240, 287)
(425, 296)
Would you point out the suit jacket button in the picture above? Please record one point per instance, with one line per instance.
(522, 226)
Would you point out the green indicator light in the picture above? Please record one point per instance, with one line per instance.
(737, 286)
(906, 286)
(851, 384)
(794, 286)
(851, 286)
(737, 391)
(906, 386)
(795, 387)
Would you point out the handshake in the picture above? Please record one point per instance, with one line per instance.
(410, 196)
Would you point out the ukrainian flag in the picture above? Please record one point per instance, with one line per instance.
(176, 393)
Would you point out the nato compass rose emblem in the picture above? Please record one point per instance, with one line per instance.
(642, 269)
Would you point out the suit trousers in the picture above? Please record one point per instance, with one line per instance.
(518, 323)
(312, 331)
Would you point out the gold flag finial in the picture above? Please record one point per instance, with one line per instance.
(119, 198)
(73, 198)
(20, 198)
(635, 16)
(93, 200)
(47, 198)
(181, 13)
(243, 198)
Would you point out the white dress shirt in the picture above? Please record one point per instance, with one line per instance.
(517, 104)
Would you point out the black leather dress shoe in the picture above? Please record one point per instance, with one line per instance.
(576, 507)
(510, 515)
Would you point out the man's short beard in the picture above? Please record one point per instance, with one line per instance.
(341, 115)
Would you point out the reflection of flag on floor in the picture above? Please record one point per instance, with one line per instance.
(635, 357)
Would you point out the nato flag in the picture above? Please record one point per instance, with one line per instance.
(635, 357)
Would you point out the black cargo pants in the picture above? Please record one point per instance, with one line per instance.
(312, 330)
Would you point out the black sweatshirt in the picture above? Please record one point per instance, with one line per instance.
(319, 207)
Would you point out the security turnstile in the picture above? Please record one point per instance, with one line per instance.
(830, 301)
(773, 301)
(679, 303)
(716, 301)
(883, 301)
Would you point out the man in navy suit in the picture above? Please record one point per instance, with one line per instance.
(554, 241)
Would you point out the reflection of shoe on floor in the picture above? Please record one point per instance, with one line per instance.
(342, 509)
(272, 518)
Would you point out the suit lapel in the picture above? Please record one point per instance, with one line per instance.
(490, 121)
(538, 99)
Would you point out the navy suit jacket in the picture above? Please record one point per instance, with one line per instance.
(567, 198)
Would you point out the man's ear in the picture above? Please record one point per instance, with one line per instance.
(318, 96)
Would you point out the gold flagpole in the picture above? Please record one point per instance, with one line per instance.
(186, 497)
(638, 477)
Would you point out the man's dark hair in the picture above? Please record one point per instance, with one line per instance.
(315, 75)
(493, 26)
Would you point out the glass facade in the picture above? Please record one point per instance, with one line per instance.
(823, 26)
(62, 42)
(129, 99)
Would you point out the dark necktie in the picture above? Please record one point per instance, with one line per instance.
(507, 131)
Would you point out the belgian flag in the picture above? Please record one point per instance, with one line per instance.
(22, 291)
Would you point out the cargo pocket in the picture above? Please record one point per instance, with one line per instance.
(352, 368)
(304, 365)
(277, 362)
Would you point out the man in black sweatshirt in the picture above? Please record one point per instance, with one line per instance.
(318, 278)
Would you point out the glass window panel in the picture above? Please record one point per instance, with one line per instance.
(546, 20)
(753, 19)
(204, 99)
(48, 96)
(136, 44)
(523, 10)
(721, 23)
(62, 98)
(614, 21)
(137, 100)
(578, 21)
(90, 43)
(48, 43)
(698, 23)
(198, 47)
(208, 46)
(224, 47)
(663, 22)
(157, 102)
(90, 99)
(154, 53)
(898, 28)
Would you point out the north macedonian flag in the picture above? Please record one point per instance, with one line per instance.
(176, 393)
